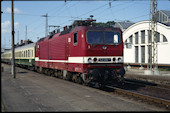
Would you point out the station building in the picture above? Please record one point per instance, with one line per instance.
(136, 38)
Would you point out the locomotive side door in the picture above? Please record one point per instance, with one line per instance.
(68, 41)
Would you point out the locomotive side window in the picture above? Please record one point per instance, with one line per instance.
(75, 40)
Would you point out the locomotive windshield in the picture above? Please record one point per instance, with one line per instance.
(99, 37)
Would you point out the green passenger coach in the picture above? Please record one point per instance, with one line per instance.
(24, 55)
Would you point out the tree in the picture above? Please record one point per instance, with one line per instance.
(107, 24)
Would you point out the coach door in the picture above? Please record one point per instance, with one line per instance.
(37, 55)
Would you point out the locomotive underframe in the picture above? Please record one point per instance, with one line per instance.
(106, 76)
(91, 74)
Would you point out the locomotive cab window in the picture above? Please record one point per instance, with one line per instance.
(112, 38)
(106, 37)
(75, 40)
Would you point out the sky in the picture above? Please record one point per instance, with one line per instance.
(29, 15)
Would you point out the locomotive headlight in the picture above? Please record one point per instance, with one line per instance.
(89, 60)
(120, 59)
(114, 59)
(95, 59)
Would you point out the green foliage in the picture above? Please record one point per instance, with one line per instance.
(164, 69)
(107, 24)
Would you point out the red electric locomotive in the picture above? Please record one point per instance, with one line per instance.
(83, 53)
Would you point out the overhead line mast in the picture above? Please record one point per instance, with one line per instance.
(46, 27)
(153, 57)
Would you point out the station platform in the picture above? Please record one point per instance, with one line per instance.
(31, 91)
(147, 75)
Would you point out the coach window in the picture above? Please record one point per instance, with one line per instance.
(75, 40)
(28, 53)
(32, 53)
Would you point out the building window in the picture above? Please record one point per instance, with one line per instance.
(143, 37)
(149, 54)
(136, 54)
(125, 43)
(136, 38)
(129, 42)
(157, 37)
(164, 39)
(131, 39)
(142, 54)
(149, 36)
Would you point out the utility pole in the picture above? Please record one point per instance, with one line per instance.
(153, 54)
(5, 42)
(46, 27)
(52, 26)
(13, 49)
(18, 37)
(25, 33)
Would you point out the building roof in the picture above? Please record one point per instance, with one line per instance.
(166, 12)
(167, 24)
(123, 25)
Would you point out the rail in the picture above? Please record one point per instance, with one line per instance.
(142, 96)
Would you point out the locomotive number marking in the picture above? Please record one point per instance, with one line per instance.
(104, 59)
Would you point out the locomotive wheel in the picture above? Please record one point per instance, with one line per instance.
(38, 70)
(79, 80)
(48, 72)
(56, 74)
(52, 73)
(68, 77)
(45, 71)
(60, 74)
(74, 78)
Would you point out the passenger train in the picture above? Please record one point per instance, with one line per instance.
(82, 52)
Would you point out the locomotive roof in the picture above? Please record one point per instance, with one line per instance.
(77, 25)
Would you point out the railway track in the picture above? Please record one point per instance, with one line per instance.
(155, 100)
(148, 84)
(155, 90)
